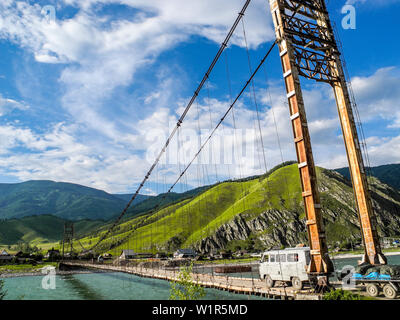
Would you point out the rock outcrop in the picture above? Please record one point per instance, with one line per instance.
(273, 227)
(287, 227)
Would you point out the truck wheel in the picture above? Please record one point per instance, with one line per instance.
(372, 290)
(269, 282)
(297, 283)
(389, 291)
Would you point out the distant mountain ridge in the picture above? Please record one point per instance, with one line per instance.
(127, 197)
(60, 199)
(389, 174)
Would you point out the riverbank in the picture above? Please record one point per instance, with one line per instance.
(39, 273)
(359, 255)
(23, 270)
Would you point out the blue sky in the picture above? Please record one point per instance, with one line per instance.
(85, 98)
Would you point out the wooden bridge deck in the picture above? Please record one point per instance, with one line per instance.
(232, 284)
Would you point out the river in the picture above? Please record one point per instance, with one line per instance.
(99, 286)
(120, 286)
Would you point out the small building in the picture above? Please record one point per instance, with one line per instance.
(19, 254)
(390, 242)
(5, 257)
(52, 254)
(185, 253)
(240, 253)
(128, 254)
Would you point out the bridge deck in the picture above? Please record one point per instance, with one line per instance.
(233, 284)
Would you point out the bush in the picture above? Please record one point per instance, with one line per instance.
(185, 288)
(2, 291)
(341, 294)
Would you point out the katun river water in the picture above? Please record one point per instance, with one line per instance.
(120, 286)
(99, 286)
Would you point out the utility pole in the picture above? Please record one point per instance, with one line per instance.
(308, 48)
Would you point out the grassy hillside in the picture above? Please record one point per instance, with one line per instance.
(389, 174)
(161, 201)
(268, 208)
(190, 221)
(40, 229)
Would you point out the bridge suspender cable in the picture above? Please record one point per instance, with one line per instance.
(223, 118)
(205, 142)
(180, 121)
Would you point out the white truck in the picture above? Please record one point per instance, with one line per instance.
(288, 265)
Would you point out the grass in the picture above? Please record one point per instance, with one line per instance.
(23, 268)
(361, 251)
(229, 261)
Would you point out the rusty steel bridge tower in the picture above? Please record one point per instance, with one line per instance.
(308, 48)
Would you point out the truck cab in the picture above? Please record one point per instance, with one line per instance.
(288, 265)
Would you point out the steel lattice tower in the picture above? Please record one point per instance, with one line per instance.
(68, 238)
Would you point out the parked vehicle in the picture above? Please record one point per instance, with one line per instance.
(288, 265)
(385, 278)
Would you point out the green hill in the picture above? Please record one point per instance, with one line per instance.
(36, 199)
(63, 200)
(267, 209)
(40, 229)
(389, 174)
(161, 201)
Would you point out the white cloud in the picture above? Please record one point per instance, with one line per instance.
(378, 95)
(384, 150)
(8, 105)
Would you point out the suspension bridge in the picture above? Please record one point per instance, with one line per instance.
(309, 48)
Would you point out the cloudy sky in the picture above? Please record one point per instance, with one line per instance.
(89, 90)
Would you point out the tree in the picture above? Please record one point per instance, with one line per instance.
(186, 288)
(3, 292)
